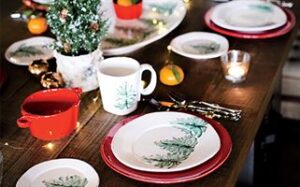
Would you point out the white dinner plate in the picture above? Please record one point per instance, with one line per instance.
(165, 142)
(64, 172)
(157, 20)
(24, 52)
(248, 16)
(200, 45)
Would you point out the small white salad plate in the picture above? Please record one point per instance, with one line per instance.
(248, 16)
(165, 142)
(24, 52)
(60, 172)
(200, 45)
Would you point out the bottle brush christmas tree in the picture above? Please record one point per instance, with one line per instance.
(78, 26)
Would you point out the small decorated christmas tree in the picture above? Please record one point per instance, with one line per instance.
(78, 26)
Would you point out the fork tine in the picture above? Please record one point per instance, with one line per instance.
(175, 97)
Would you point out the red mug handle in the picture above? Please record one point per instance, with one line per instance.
(24, 122)
(77, 90)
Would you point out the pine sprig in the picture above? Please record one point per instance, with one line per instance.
(178, 148)
(27, 51)
(78, 25)
(163, 161)
(68, 181)
(193, 124)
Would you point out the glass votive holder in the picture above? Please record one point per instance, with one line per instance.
(235, 65)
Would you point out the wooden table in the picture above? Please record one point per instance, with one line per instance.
(204, 80)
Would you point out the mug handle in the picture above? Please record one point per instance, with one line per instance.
(77, 90)
(150, 88)
(24, 121)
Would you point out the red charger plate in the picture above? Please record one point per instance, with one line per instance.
(291, 20)
(33, 5)
(172, 177)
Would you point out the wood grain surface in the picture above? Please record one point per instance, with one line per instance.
(203, 81)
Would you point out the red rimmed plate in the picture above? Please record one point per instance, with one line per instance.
(172, 177)
(291, 20)
(34, 5)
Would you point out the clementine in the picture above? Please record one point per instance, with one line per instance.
(124, 2)
(37, 25)
(171, 75)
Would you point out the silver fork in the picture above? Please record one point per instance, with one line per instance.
(202, 105)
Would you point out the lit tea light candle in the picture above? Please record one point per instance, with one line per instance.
(236, 72)
(235, 65)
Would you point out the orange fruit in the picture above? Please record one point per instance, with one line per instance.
(171, 75)
(37, 25)
(124, 2)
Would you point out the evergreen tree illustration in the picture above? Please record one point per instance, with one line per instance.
(126, 96)
(179, 148)
(195, 125)
(68, 181)
(26, 51)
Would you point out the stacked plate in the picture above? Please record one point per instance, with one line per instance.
(166, 147)
(250, 19)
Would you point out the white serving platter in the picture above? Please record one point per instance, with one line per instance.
(157, 20)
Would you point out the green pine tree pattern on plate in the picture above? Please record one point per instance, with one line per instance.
(26, 51)
(195, 125)
(126, 96)
(178, 148)
(206, 48)
(262, 8)
(68, 181)
(164, 8)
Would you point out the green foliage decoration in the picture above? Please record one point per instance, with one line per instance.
(78, 25)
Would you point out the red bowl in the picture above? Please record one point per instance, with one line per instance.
(129, 12)
(51, 114)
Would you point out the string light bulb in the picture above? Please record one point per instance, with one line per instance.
(49, 146)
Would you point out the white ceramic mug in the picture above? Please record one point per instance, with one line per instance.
(120, 82)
